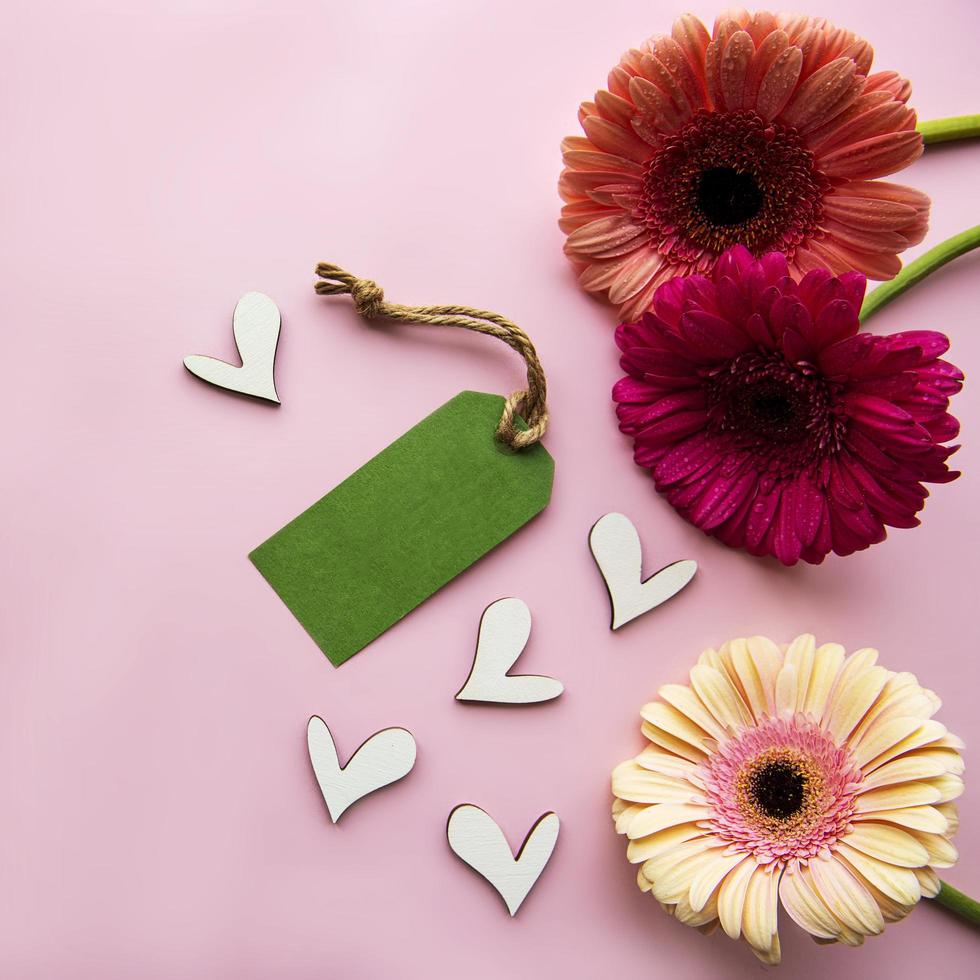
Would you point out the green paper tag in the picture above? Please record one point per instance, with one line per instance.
(406, 523)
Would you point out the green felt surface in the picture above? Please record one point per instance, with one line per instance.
(406, 523)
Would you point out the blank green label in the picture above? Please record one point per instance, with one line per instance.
(404, 525)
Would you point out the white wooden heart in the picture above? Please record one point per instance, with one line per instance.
(477, 840)
(384, 758)
(257, 323)
(504, 630)
(616, 548)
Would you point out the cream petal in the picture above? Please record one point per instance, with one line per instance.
(660, 816)
(681, 697)
(681, 853)
(760, 910)
(857, 662)
(950, 812)
(645, 848)
(698, 918)
(758, 690)
(731, 897)
(657, 760)
(893, 739)
(899, 884)
(707, 880)
(800, 653)
(904, 769)
(895, 797)
(929, 882)
(773, 955)
(849, 899)
(641, 881)
(902, 696)
(875, 739)
(941, 852)
(845, 933)
(726, 665)
(624, 818)
(888, 843)
(638, 785)
(720, 697)
(949, 788)
(926, 818)
(805, 908)
(671, 875)
(891, 911)
(767, 659)
(672, 721)
(827, 662)
(667, 741)
(850, 701)
(787, 687)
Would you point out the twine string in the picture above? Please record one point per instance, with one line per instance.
(530, 404)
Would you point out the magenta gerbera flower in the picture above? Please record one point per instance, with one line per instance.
(770, 422)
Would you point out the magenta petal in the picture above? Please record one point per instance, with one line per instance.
(932, 343)
(788, 313)
(712, 336)
(837, 320)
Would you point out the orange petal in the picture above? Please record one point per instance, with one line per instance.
(874, 157)
(825, 94)
(779, 83)
(734, 68)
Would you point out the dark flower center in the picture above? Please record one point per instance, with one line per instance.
(787, 416)
(728, 196)
(730, 178)
(777, 789)
(771, 408)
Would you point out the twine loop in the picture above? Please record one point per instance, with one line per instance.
(530, 404)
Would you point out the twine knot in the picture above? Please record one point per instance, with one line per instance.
(528, 405)
(368, 297)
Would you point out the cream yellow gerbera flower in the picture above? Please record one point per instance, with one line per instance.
(790, 774)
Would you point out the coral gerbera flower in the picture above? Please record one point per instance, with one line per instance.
(768, 133)
(790, 774)
(770, 422)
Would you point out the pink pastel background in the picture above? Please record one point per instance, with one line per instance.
(158, 815)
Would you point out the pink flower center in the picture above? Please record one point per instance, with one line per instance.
(731, 178)
(781, 790)
(785, 415)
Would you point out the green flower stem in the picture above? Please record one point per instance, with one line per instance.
(916, 271)
(954, 900)
(951, 128)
